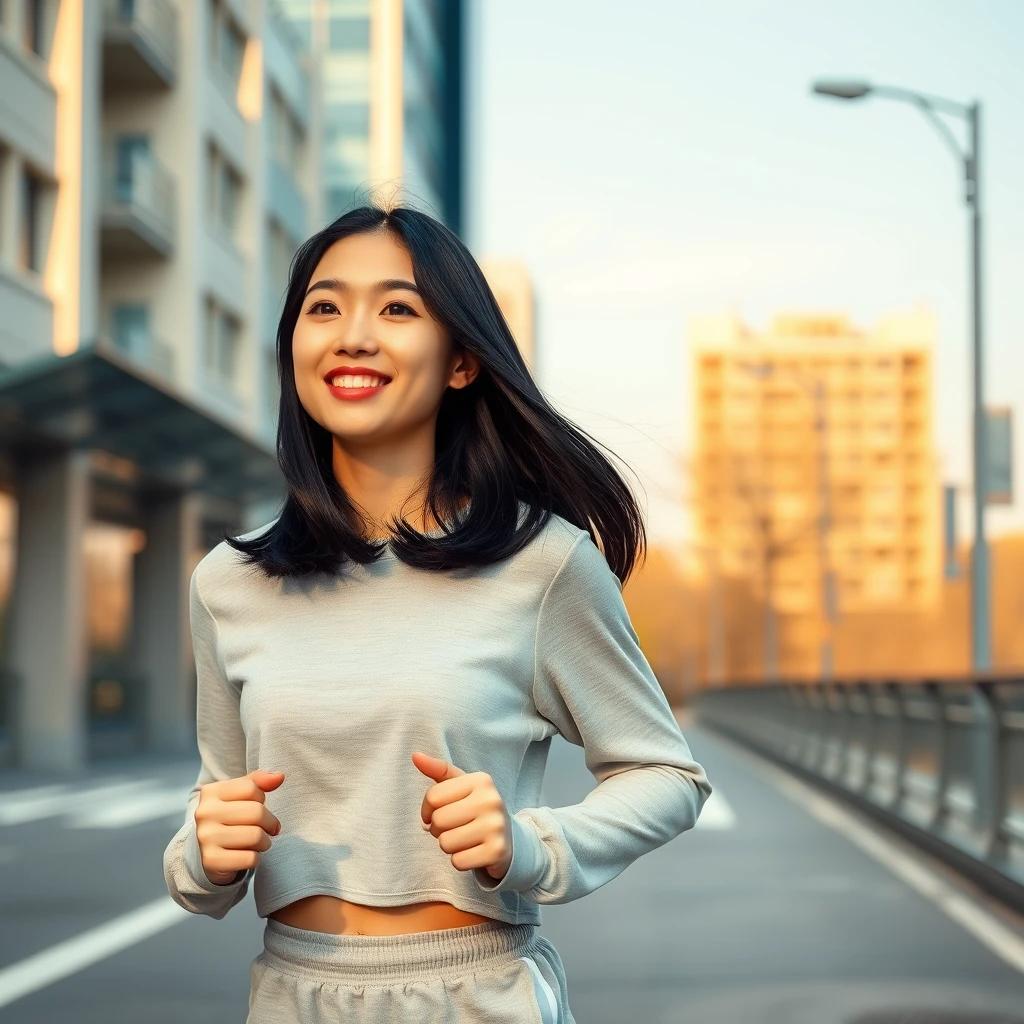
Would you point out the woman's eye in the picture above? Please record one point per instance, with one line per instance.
(326, 302)
(322, 302)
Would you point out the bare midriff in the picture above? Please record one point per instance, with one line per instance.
(322, 913)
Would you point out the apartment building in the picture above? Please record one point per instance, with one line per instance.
(815, 468)
(160, 160)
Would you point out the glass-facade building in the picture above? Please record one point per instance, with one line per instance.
(392, 95)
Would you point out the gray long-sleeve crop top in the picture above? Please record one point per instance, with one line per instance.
(336, 680)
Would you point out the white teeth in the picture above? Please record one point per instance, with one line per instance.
(363, 381)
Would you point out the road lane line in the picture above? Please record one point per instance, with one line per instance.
(717, 813)
(20, 812)
(74, 954)
(132, 809)
(983, 924)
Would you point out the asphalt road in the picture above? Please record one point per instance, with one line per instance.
(778, 908)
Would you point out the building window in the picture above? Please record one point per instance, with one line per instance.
(275, 124)
(282, 249)
(230, 342)
(231, 188)
(131, 329)
(222, 340)
(212, 164)
(32, 27)
(227, 42)
(349, 33)
(132, 158)
(223, 192)
(287, 138)
(29, 256)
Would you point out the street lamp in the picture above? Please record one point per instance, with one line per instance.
(981, 656)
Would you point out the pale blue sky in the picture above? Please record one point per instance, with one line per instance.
(665, 158)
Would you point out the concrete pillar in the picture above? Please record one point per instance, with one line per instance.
(49, 650)
(162, 636)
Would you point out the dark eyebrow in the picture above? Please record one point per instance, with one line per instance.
(388, 285)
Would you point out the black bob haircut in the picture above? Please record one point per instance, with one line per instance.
(498, 440)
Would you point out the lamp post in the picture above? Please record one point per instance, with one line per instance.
(930, 106)
(984, 768)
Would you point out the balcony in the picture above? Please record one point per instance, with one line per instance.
(132, 335)
(139, 202)
(140, 44)
(27, 325)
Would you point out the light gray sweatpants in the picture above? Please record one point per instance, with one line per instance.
(488, 973)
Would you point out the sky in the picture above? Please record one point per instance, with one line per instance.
(666, 159)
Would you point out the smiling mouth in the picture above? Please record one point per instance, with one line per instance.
(350, 379)
(356, 391)
(378, 383)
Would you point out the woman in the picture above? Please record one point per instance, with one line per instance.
(397, 648)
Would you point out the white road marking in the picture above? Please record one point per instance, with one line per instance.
(20, 811)
(20, 797)
(717, 813)
(75, 954)
(132, 809)
(984, 925)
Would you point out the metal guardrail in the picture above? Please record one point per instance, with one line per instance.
(941, 760)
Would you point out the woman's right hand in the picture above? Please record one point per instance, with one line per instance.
(234, 825)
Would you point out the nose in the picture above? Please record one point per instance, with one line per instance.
(355, 337)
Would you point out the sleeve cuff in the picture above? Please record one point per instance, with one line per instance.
(528, 864)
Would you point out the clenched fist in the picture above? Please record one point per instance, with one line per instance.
(234, 825)
(467, 815)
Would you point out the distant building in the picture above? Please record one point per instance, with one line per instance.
(761, 473)
(512, 287)
(392, 81)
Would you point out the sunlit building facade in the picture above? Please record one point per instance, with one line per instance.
(815, 465)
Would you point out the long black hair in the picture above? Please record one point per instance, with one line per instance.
(498, 441)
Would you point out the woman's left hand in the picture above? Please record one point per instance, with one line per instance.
(467, 816)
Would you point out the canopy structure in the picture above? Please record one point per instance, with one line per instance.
(98, 398)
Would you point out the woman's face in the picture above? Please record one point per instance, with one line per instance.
(350, 321)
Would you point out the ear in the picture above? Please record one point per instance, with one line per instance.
(465, 367)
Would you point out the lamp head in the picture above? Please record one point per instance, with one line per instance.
(841, 90)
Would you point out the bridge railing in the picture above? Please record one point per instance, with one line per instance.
(941, 760)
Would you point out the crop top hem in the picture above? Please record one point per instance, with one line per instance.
(382, 899)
